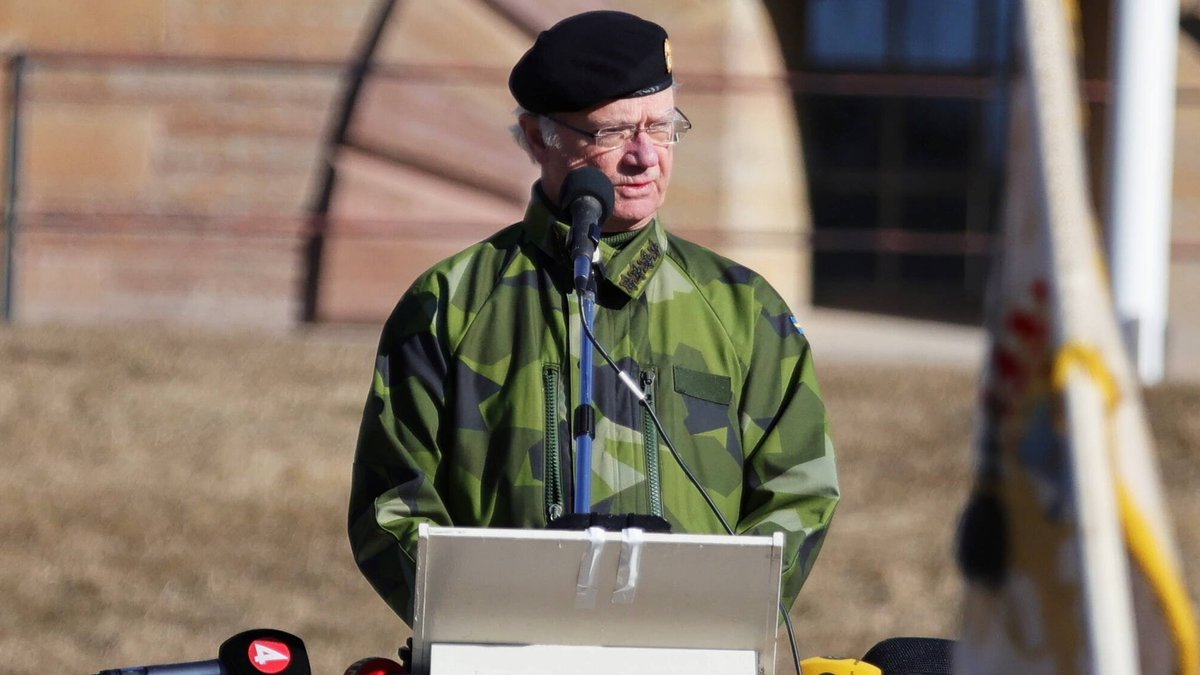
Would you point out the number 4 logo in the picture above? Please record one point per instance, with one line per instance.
(269, 656)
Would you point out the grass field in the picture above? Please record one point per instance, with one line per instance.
(164, 489)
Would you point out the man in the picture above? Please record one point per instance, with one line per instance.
(468, 420)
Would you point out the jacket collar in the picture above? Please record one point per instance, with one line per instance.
(627, 270)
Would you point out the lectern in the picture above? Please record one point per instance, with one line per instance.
(536, 602)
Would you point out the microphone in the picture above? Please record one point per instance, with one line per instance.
(821, 665)
(375, 665)
(260, 651)
(913, 656)
(587, 195)
(893, 656)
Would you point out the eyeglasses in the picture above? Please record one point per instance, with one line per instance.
(611, 138)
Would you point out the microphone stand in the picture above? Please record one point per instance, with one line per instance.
(585, 414)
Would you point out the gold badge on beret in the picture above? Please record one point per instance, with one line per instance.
(667, 53)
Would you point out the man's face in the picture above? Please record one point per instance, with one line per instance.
(639, 170)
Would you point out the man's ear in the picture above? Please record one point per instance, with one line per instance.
(532, 128)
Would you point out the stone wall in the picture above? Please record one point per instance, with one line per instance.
(169, 153)
(173, 150)
(1183, 322)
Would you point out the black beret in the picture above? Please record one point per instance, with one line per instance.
(589, 59)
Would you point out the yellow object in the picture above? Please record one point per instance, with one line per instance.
(819, 665)
(1164, 577)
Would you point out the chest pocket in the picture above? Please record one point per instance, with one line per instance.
(704, 386)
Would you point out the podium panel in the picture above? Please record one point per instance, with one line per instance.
(572, 660)
(631, 590)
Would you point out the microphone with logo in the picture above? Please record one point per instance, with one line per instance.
(261, 651)
(587, 196)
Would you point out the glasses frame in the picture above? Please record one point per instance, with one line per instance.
(681, 122)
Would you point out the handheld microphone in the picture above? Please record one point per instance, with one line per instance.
(912, 655)
(587, 195)
(261, 651)
(821, 665)
(375, 665)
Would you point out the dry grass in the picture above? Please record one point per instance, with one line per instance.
(163, 490)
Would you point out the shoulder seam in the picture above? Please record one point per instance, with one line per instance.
(509, 255)
(675, 240)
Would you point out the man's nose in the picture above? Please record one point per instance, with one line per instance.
(641, 150)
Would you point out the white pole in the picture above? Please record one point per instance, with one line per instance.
(1105, 593)
(1145, 35)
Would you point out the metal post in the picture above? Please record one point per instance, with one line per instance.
(16, 71)
(1146, 35)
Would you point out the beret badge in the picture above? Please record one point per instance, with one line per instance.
(667, 54)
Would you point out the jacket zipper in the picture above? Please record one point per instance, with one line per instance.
(553, 473)
(650, 441)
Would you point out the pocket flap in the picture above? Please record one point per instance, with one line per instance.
(707, 386)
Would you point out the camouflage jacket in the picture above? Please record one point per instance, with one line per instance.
(467, 422)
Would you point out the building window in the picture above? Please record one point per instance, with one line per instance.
(902, 108)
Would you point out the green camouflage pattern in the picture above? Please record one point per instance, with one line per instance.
(468, 423)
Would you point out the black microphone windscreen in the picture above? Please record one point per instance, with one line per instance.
(265, 651)
(587, 181)
(912, 656)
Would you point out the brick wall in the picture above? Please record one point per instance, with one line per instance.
(171, 183)
(188, 171)
(1183, 323)
(165, 190)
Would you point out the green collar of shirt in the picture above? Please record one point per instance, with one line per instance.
(628, 269)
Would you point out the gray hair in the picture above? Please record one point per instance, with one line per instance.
(546, 127)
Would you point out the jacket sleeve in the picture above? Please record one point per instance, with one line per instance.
(790, 476)
(396, 463)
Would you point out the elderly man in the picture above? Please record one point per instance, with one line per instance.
(468, 422)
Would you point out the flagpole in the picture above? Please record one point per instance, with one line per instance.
(1141, 138)
(1104, 569)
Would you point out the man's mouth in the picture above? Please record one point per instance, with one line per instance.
(635, 186)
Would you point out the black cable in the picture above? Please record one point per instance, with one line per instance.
(641, 397)
(624, 377)
(787, 621)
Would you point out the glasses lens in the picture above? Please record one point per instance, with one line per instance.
(662, 133)
(682, 124)
(614, 138)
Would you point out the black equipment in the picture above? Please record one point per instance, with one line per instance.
(260, 651)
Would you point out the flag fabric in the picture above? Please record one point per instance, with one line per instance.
(1066, 544)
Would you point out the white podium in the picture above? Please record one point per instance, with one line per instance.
(534, 602)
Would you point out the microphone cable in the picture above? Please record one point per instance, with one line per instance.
(712, 505)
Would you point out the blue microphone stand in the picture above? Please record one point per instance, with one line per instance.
(588, 195)
(585, 415)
